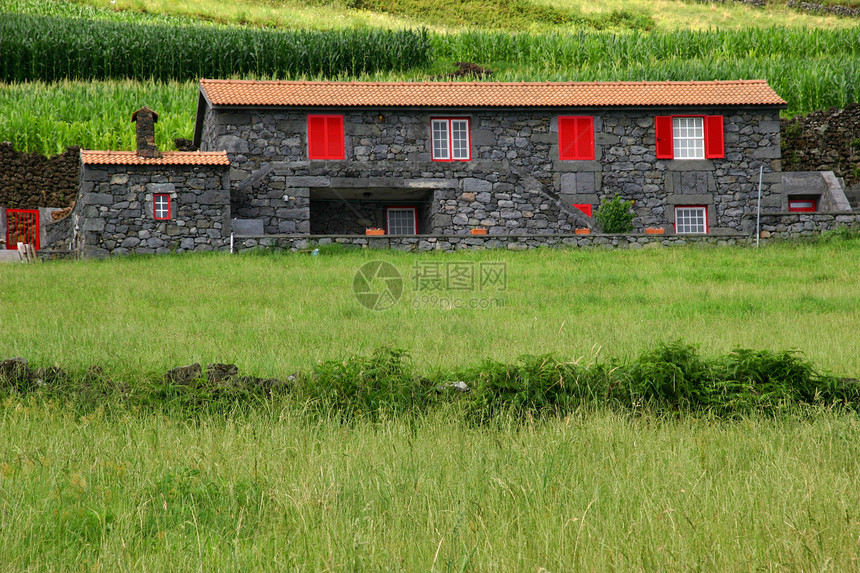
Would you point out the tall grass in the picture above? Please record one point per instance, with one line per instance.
(52, 49)
(269, 490)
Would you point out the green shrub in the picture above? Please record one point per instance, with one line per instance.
(615, 216)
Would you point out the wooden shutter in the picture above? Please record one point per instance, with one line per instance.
(316, 137)
(663, 129)
(325, 137)
(576, 137)
(584, 207)
(334, 135)
(714, 143)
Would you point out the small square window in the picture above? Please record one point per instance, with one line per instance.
(401, 221)
(691, 220)
(161, 206)
(688, 135)
(450, 139)
(802, 204)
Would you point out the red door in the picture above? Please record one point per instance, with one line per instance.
(22, 226)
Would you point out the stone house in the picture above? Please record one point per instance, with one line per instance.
(147, 201)
(334, 158)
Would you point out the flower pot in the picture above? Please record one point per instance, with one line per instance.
(583, 231)
(479, 231)
(655, 231)
(374, 231)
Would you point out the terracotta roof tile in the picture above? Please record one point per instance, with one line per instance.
(488, 94)
(169, 158)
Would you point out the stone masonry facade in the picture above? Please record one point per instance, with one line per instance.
(514, 182)
(114, 211)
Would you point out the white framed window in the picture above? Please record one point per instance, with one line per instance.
(688, 136)
(161, 206)
(691, 220)
(450, 139)
(401, 221)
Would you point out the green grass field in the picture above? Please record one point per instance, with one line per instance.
(272, 314)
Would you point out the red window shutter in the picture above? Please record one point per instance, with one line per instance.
(576, 137)
(714, 144)
(334, 135)
(584, 207)
(663, 129)
(316, 137)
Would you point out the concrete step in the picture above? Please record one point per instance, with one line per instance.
(7, 256)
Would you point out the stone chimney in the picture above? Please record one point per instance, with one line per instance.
(146, 119)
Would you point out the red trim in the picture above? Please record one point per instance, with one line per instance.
(663, 133)
(712, 127)
(675, 216)
(326, 137)
(794, 200)
(451, 139)
(155, 210)
(22, 224)
(584, 207)
(575, 137)
(714, 144)
(414, 218)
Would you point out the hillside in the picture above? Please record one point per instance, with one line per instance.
(451, 16)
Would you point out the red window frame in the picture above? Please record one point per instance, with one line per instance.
(586, 208)
(402, 207)
(714, 138)
(675, 218)
(450, 139)
(155, 199)
(326, 137)
(792, 201)
(575, 137)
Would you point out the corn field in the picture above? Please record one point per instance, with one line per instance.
(54, 49)
(45, 118)
(810, 69)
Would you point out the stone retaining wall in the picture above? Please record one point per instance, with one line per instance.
(296, 243)
(798, 225)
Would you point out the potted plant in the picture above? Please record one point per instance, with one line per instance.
(374, 231)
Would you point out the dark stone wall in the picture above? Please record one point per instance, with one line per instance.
(514, 182)
(28, 181)
(114, 211)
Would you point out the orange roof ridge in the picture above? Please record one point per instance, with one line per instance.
(490, 94)
(93, 157)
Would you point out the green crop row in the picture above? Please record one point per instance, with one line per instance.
(45, 118)
(810, 69)
(53, 49)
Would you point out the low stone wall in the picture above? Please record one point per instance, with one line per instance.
(296, 243)
(799, 225)
(28, 181)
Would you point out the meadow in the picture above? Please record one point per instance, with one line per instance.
(273, 313)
